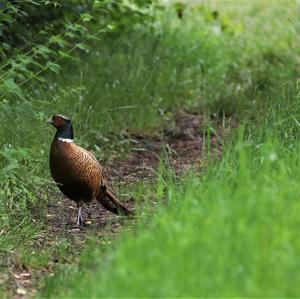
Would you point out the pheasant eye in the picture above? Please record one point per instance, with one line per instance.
(57, 121)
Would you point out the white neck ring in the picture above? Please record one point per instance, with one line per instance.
(68, 140)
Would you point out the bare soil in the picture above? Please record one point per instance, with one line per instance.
(182, 143)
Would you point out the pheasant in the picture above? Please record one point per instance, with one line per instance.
(77, 172)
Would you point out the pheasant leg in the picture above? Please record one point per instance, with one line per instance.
(79, 221)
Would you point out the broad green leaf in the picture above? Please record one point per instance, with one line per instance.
(54, 67)
(82, 46)
(10, 86)
(55, 39)
(86, 17)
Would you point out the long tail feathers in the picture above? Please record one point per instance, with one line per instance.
(107, 204)
(111, 203)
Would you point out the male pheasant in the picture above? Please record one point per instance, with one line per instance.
(77, 172)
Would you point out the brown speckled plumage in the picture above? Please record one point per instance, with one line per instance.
(77, 172)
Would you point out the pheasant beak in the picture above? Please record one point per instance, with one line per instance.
(50, 121)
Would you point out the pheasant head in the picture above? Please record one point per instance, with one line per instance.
(63, 126)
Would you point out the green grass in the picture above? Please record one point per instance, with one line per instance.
(233, 231)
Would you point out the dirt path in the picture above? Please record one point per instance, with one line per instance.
(182, 144)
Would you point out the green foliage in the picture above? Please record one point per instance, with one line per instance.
(37, 35)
